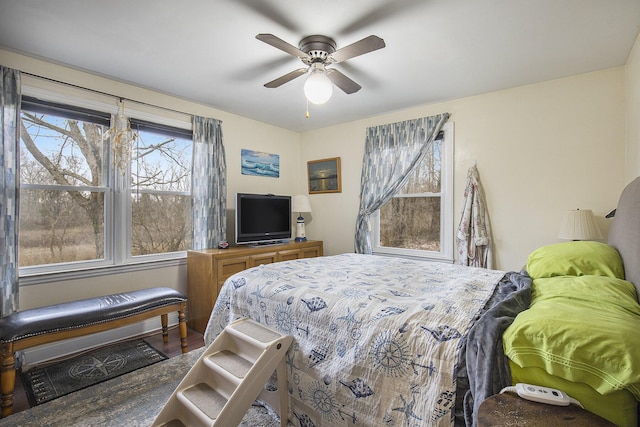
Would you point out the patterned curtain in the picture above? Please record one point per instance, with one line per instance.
(9, 196)
(391, 154)
(473, 236)
(209, 184)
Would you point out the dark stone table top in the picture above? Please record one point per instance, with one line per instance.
(134, 399)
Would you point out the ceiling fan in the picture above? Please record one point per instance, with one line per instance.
(318, 52)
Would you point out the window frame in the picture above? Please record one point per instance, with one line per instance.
(117, 191)
(446, 253)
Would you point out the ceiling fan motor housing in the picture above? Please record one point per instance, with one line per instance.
(318, 48)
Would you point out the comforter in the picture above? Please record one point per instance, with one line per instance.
(377, 340)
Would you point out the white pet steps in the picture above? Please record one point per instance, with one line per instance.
(228, 377)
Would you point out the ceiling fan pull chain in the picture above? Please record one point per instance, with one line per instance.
(307, 115)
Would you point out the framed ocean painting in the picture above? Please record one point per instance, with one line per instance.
(257, 163)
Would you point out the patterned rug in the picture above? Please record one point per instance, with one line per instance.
(50, 382)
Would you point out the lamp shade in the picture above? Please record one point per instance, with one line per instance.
(579, 224)
(300, 203)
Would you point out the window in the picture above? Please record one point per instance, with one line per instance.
(160, 189)
(77, 212)
(418, 221)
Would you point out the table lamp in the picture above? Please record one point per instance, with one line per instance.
(300, 203)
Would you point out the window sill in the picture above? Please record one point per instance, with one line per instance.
(50, 277)
(414, 255)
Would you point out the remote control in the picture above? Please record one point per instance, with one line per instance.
(540, 394)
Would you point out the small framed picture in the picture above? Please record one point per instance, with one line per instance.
(324, 176)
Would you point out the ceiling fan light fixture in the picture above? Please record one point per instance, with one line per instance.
(318, 88)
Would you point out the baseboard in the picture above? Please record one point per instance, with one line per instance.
(46, 352)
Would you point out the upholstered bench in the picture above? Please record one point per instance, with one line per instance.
(29, 328)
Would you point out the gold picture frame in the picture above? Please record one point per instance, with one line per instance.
(324, 176)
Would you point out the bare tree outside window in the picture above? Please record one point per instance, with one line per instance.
(61, 216)
(160, 195)
(66, 177)
(411, 219)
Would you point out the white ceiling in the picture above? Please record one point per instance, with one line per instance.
(436, 50)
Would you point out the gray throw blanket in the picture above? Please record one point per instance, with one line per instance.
(487, 366)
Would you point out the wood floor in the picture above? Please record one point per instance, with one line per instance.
(171, 349)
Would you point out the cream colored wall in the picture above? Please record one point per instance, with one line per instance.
(633, 112)
(239, 133)
(540, 149)
(333, 216)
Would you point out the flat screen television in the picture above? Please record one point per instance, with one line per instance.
(262, 218)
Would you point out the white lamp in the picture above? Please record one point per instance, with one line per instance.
(579, 225)
(300, 203)
(318, 88)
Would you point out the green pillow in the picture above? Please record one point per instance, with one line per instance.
(581, 258)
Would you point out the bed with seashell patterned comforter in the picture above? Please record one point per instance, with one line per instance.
(378, 341)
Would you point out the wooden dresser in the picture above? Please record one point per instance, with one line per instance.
(208, 269)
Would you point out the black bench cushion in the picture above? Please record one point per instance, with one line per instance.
(82, 313)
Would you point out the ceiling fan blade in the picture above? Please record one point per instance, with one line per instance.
(347, 85)
(282, 45)
(366, 45)
(270, 11)
(386, 11)
(286, 78)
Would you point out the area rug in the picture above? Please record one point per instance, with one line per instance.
(53, 381)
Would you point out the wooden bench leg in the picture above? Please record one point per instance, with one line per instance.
(164, 318)
(182, 324)
(7, 377)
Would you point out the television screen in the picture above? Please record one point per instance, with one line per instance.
(262, 218)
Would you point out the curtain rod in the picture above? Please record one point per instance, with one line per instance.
(121, 98)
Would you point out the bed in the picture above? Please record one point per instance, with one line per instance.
(384, 341)
(580, 333)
